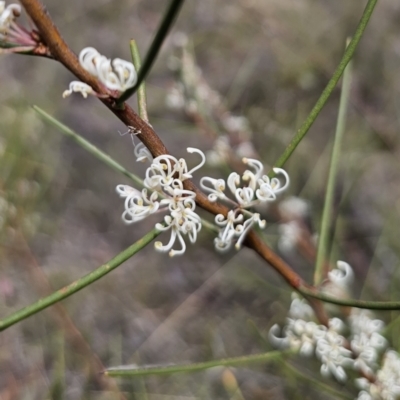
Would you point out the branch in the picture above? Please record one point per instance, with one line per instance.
(61, 52)
(148, 136)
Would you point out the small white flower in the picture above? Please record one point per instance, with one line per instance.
(117, 74)
(225, 238)
(366, 341)
(342, 275)
(269, 188)
(183, 220)
(137, 204)
(255, 190)
(142, 153)
(90, 59)
(165, 177)
(166, 168)
(300, 309)
(7, 15)
(333, 355)
(78, 87)
(217, 189)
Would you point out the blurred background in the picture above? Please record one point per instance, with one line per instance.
(234, 78)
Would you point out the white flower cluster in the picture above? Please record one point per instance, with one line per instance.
(115, 74)
(256, 189)
(302, 334)
(7, 17)
(361, 351)
(387, 383)
(164, 178)
(366, 341)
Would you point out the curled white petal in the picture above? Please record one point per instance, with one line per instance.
(257, 165)
(90, 59)
(269, 188)
(137, 204)
(246, 227)
(276, 341)
(142, 153)
(217, 189)
(117, 74)
(78, 87)
(244, 196)
(233, 181)
(125, 72)
(342, 275)
(202, 162)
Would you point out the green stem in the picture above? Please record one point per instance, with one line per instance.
(141, 94)
(155, 47)
(170, 369)
(88, 146)
(320, 271)
(372, 305)
(348, 54)
(79, 284)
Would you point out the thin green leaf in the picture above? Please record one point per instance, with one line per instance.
(348, 54)
(186, 368)
(371, 305)
(79, 284)
(155, 47)
(92, 149)
(99, 154)
(141, 93)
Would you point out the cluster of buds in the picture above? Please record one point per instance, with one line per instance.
(164, 178)
(249, 190)
(116, 74)
(363, 350)
(13, 37)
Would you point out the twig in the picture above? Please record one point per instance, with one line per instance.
(60, 50)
